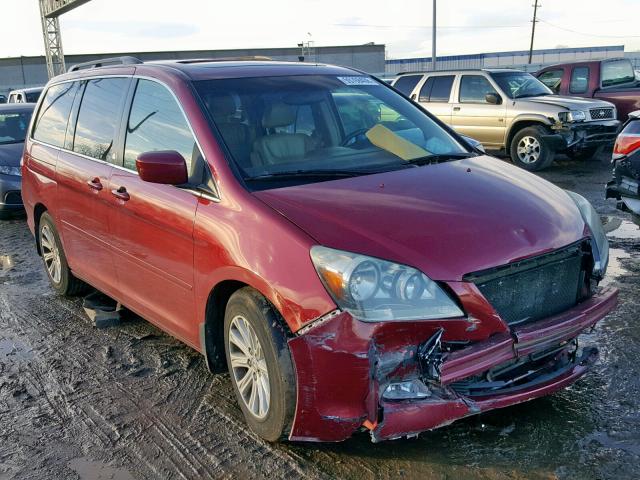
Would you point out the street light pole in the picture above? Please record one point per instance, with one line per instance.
(433, 38)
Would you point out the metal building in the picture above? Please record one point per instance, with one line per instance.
(18, 72)
(513, 59)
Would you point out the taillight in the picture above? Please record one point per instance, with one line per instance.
(626, 143)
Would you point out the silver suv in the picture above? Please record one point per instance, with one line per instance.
(513, 111)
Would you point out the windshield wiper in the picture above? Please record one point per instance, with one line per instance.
(310, 173)
(440, 157)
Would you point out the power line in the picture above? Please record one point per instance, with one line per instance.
(429, 27)
(587, 34)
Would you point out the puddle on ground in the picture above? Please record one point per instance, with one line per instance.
(615, 268)
(88, 469)
(6, 262)
(12, 349)
(626, 231)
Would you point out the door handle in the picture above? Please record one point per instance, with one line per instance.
(121, 193)
(456, 109)
(95, 184)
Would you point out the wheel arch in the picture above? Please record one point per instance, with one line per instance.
(211, 329)
(38, 210)
(523, 122)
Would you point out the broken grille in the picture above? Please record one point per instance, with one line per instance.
(534, 288)
(601, 113)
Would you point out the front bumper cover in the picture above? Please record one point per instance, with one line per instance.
(581, 135)
(344, 365)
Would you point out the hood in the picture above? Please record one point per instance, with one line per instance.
(447, 219)
(11, 154)
(570, 103)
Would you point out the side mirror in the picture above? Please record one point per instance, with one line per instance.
(166, 167)
(493, 98)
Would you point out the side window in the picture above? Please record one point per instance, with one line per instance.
(99, 117)
(425, 91)
(579, 80)
(441, 88)
(552, 79)
(407, 83)
(157, 123)
(51, 123)
(474, 88)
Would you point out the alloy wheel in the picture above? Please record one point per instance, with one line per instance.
(51, 254)
(249, 367)
(529, 149)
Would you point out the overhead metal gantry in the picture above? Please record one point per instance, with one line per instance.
(50, 11)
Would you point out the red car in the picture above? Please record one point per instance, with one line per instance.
(352, 261)
(612, 80)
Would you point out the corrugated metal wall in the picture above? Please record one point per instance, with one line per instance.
(514, 59)
(32, 71)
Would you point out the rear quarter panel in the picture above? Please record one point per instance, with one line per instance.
(39, 184)
(626, 100)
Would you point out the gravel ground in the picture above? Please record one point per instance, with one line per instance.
(130, 402)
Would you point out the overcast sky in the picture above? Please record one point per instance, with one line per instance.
(464, 26)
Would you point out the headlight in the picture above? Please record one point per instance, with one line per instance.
(374, 290)
(600, 244)
(5, 170)
(572, 116)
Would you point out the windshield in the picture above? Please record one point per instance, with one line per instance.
(617, 72)
(308, 125)
(520, 84)
(13, 126)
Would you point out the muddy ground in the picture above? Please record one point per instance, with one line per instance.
(130, 402)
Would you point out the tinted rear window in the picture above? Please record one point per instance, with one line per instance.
(32, 97)
(441, 89)
(617, 72)
(99, 117)
(51, 123)
(579, 80)
(407, 83)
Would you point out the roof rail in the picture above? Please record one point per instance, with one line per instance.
(104, 62)
(245, 58)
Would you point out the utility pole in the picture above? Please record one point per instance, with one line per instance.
(433, 38)
(533, 27)
(50, 11)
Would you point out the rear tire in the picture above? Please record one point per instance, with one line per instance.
(528, 150)
(260, 364)
(55, 261)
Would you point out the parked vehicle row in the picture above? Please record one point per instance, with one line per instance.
(512, 111)
(351, 260)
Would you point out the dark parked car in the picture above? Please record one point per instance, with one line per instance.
(625, 185)
(14, 120)
(352, 261)
(612, 80)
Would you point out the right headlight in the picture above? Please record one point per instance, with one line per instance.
(599, 244)
(376, 290)
(572, 116)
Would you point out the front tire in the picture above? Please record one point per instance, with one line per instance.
(260, 364)
(529, 150)
(55, 261)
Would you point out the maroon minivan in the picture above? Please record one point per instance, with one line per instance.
(354, 263)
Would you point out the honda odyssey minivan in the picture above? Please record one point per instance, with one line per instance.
(350, 260)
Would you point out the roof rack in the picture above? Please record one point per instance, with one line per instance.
(104, 62)
(245, 58)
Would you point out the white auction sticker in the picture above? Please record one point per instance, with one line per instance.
(359, 80)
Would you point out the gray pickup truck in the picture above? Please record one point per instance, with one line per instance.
(513, 111)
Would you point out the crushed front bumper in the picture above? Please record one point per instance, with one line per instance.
(582, 135)
(343, 366)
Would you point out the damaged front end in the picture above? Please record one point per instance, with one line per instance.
(625, 184)
(397, 379)
(579, 136)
